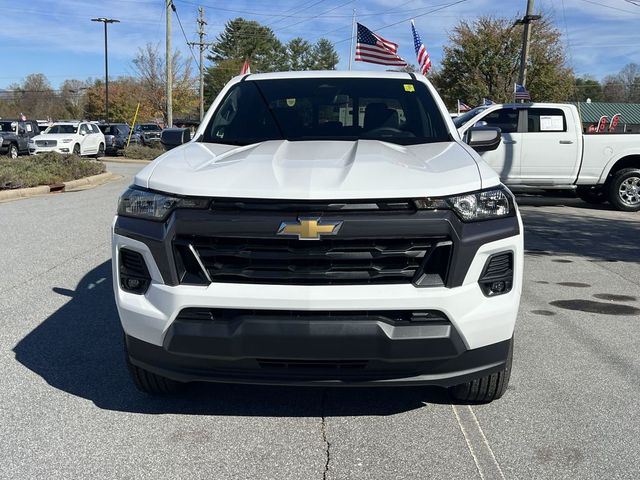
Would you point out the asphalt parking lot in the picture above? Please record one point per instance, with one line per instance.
(68, 410)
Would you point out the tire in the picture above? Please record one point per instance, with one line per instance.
(13, 151)
(150, 383)
(100, 151)
(594, 195)
(624, 190)
(485, 389)
(76, 149)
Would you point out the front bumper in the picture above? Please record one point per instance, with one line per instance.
(64, 149)
(474, 343)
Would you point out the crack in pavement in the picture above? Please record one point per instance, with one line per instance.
(323, 429)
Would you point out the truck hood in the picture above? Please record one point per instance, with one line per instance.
(54, 136)
(315, 170)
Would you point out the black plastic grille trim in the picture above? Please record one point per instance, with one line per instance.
(498, 266)
(326, 262)
(392, 317)
(307, 206)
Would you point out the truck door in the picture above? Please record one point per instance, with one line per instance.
(505, 159)
(551, 148)
(23, 136)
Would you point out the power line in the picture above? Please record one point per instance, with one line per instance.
(173, 7)
(610, 7)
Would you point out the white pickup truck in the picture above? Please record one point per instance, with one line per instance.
(543, 147)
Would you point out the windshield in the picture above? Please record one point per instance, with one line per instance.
(8, 126)
(465, 117)
(149, 128)
(399, 111)
(62, 129)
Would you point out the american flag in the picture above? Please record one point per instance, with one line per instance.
(521, 93)
(421, 51)
(463, 107)
(246, 68)
(373, 48)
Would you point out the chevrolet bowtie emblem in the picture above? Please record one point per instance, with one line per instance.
(309, 228)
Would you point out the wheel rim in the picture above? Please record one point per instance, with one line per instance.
(629, 191)
(14, 152)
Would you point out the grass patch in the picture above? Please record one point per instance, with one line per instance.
(45, 169)
(141, 152)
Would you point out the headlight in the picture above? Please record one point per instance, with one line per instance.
(471, 207)
(67, 140)
(31, 141)
(155, 206)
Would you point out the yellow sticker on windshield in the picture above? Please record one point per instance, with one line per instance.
(409, 88)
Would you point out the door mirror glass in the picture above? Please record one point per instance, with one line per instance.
(484, 139)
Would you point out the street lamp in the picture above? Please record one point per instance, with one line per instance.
(106, 63)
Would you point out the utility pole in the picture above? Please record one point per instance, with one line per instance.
(169, 93)
(201, 45)
(526, 39)
(106, 64)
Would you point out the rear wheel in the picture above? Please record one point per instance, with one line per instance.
(624, 190)
(485, 389)
(100, 151)
(592, 194)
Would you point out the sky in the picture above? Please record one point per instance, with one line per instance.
(57, 38)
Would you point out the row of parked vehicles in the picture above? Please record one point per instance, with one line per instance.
(19, 137)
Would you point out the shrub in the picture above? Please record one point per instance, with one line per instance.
(45, 169)
(141, 152)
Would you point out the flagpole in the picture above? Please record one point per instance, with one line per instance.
(458, 106)
(353, 36)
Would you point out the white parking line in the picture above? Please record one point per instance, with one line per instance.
(479, 447)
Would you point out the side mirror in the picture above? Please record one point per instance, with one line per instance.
(174, 137)
(484, 139)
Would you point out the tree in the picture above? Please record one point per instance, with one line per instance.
(73, 98)
(300, 55)
(484, 57)
(34, 97)
(588, 88)
(624, 86)
(149, 65)
(325, 55)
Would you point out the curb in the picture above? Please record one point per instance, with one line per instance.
(123, 160)
(45, 189)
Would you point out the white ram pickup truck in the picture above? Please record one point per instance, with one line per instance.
(543, 147)
(321, 228)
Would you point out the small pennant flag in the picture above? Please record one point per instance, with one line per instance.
(521, 93)
(246, 68)
(463, 107)
(421, 51)
(614, 122)
(373, 48)
(487, 101)
(602, 124)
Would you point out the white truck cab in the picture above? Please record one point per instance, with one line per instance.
(543, 146)
(321, 228)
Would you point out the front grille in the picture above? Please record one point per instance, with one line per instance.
(296, 262)
(230, 315)
(46, 143)
(292, 364)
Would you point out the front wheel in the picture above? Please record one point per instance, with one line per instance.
(485, 389)
(13, 151)
(76, 149)
(150, 383)
(624, 190)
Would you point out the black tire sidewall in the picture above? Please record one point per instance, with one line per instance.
(77, 150)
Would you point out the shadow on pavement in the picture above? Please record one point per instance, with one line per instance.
(606, 239)
(79, 350)
(559, 200)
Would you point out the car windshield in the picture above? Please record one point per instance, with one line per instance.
(401, 111)
(62, 129)
(149, 128)
(460, 120)
(8, 126)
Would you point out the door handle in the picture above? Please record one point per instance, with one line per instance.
(509, 142)
(566, 142)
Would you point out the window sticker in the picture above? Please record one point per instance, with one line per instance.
(291, 102)
(409, 88)
(551, 123)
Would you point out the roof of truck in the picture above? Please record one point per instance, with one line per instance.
(329, 74)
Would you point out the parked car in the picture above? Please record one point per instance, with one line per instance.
(149, 133)
(299, 240)
(82, 138)
(543, 147)
(15, 136)
(116, 136)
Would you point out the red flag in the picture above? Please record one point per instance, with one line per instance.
(602, 124)
(614, 122)
(246, 68)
